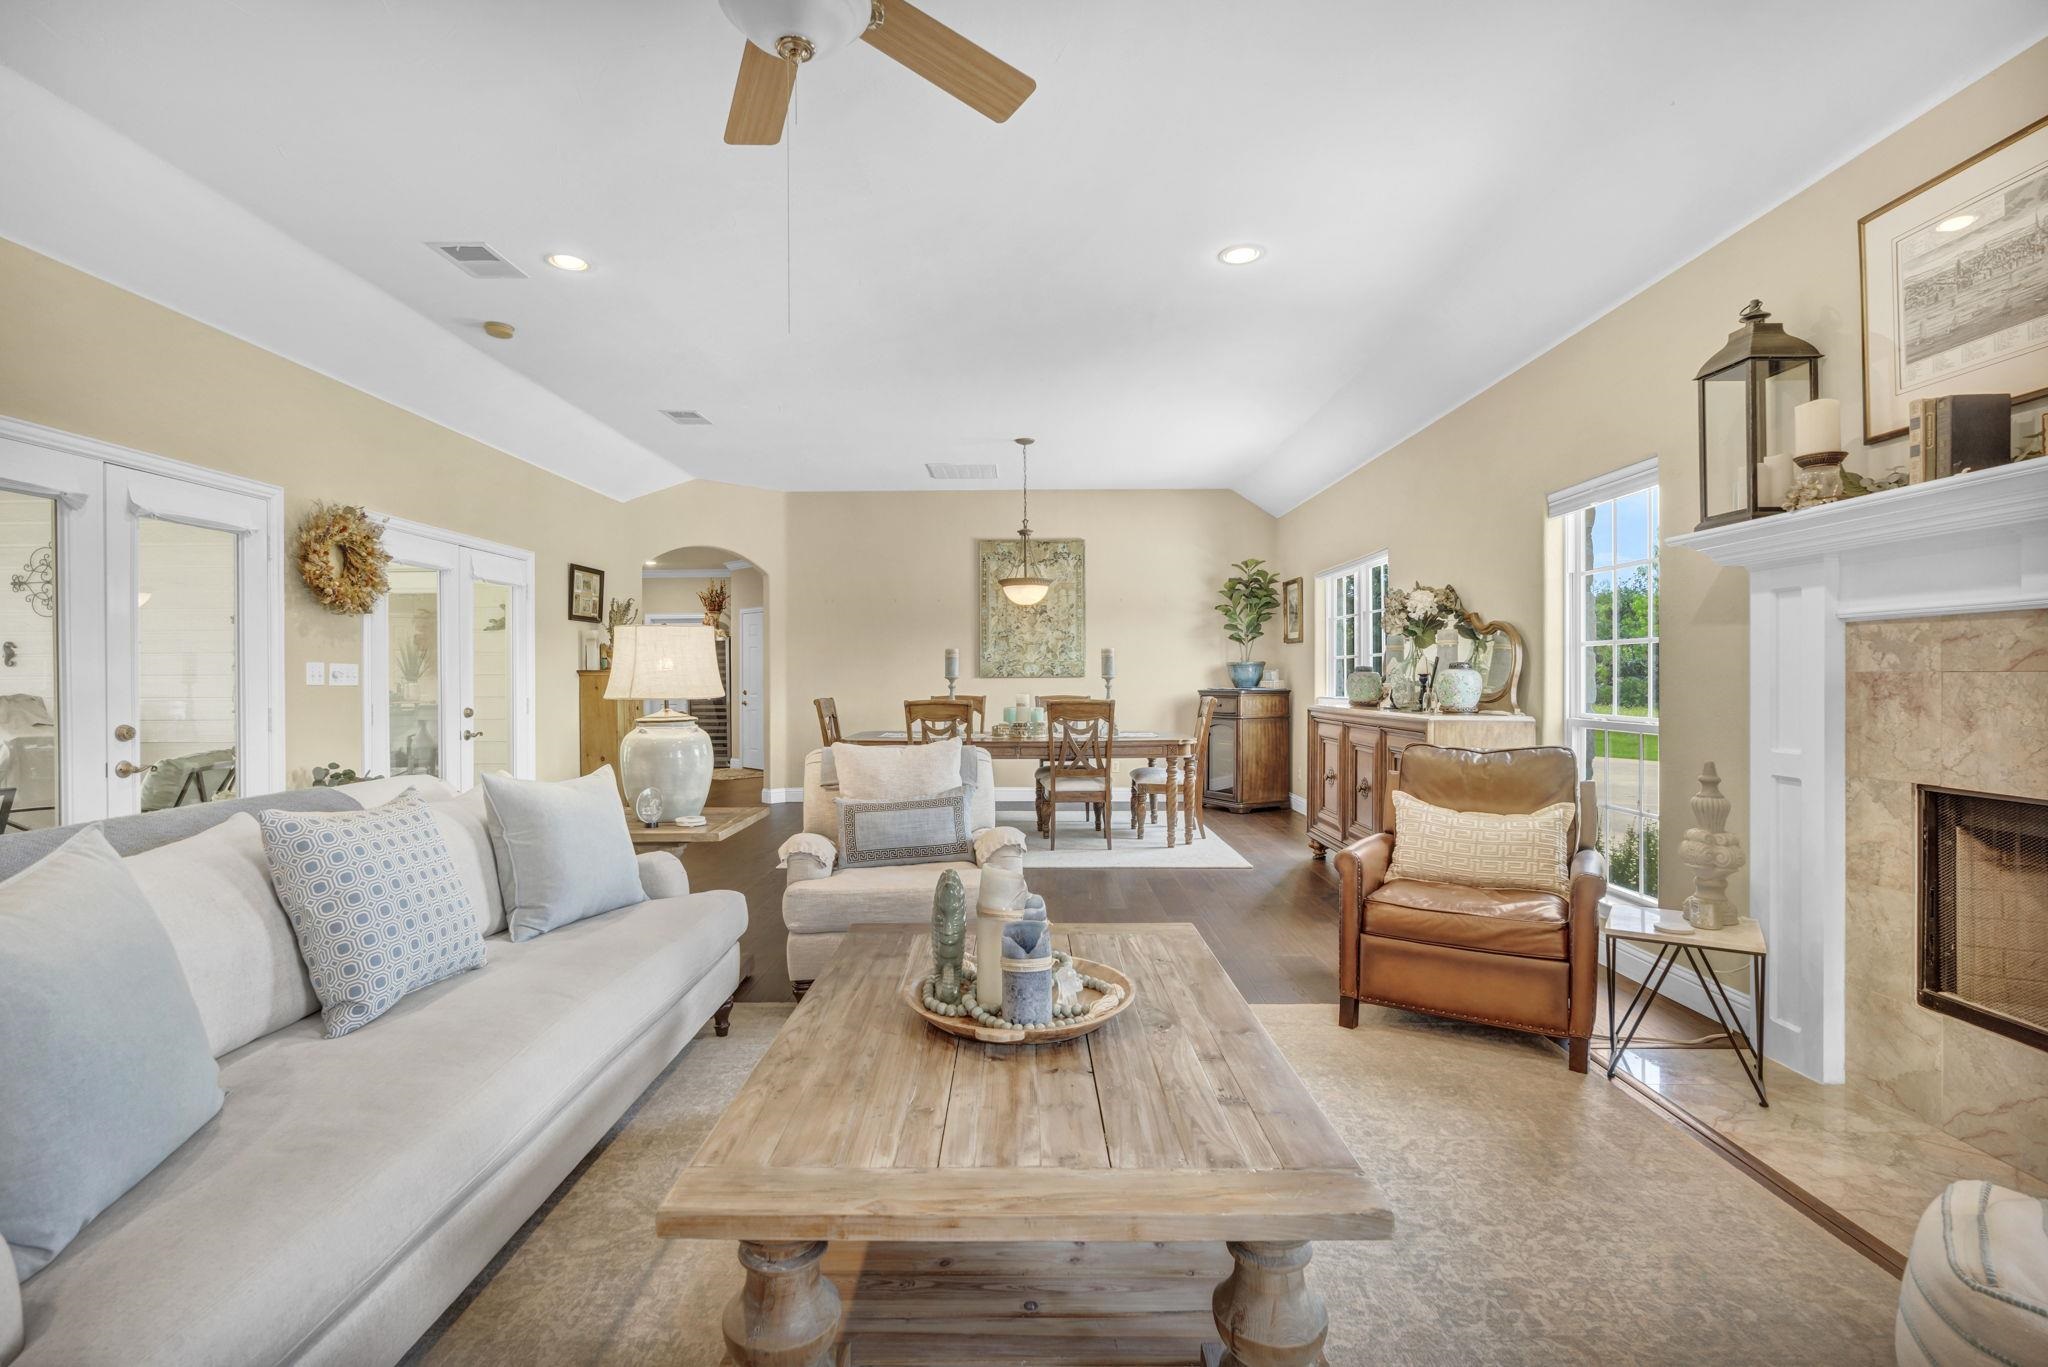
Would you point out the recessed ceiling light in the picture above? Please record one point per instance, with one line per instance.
(654, 562)
(1243, 254)
(501, 331)
(1956, 224)
(562, 261)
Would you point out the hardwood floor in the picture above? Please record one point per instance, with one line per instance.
(1273, 926)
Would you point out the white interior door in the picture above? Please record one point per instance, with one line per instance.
(448, 660)
(147, 626)
(753, 679)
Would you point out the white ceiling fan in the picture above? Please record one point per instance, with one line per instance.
(784, 34)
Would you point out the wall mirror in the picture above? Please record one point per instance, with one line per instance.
(1497, 655)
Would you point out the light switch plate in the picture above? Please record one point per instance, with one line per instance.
(344, 674)
(316, 673)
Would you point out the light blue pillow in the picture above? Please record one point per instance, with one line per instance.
(104, 1068)
(562, 849)
(917, 830)
(377, 903)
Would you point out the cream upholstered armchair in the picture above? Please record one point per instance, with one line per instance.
(822, 901)
(1520, 959)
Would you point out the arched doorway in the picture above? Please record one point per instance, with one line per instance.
(681, 585)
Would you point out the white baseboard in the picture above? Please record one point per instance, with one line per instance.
(775, 797)
(1682, 985)
(1299, 803)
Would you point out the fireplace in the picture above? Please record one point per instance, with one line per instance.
(1983, 943)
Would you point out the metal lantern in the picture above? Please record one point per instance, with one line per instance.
(1747, 394)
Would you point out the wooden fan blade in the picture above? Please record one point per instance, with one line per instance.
(970, 74)
(760, 98)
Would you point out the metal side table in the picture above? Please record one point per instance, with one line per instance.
(1639, 925)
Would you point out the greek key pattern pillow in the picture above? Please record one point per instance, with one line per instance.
(1482, 849)
(917, 830)
(377, 903)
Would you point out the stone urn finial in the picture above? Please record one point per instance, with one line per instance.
(1712, 854)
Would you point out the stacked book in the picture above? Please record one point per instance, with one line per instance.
(1957, 432)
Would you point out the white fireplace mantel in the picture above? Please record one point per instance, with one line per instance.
(1971, 543)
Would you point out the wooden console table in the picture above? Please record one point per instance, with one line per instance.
(1354, 761)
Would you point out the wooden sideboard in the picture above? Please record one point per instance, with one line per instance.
(1354, 761)
(600, 722)
(1251, 749)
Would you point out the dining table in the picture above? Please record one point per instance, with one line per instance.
(1163, 749)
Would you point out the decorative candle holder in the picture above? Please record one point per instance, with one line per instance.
(1825, 466)
(1712, 854)
(1027, 973)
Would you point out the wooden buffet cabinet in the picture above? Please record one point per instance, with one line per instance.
(1354, 761)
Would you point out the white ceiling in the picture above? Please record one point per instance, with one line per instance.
(1445, 191)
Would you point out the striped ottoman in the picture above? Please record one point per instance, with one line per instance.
(1976, 1284)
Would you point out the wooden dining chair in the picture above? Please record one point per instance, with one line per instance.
(978, 701)
(828, 721)
(940, 719)
(1150, 783)
(1077, 764)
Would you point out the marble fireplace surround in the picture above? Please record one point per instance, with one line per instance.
(1969, 546)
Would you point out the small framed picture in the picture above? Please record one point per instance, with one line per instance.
(1290, 611)
(586, 594)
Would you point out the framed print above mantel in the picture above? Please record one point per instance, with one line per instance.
(1955, 285)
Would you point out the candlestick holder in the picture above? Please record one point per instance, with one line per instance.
(1825, 466)
(952, 689)
(1109, 686)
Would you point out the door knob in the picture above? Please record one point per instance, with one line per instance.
(126, 770)
(469, 711)
(124, 732)
(471, 735)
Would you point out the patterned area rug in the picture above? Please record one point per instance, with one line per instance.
(1081, 845)
(1544, 1218)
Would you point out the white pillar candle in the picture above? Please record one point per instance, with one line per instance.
(1108, 662)
(1002, 890)
(952, 663)
(1817, 426)
(1774, 481)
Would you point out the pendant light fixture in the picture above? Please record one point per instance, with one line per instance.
(1026, 590)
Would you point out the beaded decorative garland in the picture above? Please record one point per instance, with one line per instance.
(967, 1006)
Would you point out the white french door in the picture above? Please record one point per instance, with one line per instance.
(141, 642)
(753, 748)
(448, 659)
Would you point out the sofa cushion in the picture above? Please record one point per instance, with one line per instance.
(1483, 849)
(212, 892)
(333, 1157)
(895, 895)
(104, 1068)
(821, 791)
(1531, 924)
(916, 830)
(872, 773)
(375, 903)
(562, 849)
(1975, 1293)
(465, 825)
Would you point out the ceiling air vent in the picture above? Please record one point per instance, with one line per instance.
(474, 258)
(940, 469)
(686, 417)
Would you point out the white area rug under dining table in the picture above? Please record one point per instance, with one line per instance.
(1081, 845)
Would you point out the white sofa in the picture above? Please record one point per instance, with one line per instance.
(821, 901)
(350, 1188)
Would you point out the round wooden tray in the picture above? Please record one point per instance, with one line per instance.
(966, 1027)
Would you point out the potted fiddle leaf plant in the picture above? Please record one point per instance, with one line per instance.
(1248, 600)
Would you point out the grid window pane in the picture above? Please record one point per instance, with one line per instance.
(1600, 535)
(1599, 664)
(1632, 527)
(1599, 624)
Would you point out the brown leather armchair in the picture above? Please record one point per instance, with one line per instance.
(1516, 959)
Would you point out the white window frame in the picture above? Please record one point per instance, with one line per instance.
(1573, 504)
(1367, 620)
(101, 489)
(463, 561)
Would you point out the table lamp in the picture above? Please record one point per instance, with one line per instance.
(667, 751)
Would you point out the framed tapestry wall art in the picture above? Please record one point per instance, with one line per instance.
(1047, 641)
(1955, 285)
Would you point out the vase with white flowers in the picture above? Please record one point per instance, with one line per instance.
(1433, 621)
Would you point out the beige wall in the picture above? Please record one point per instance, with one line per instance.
(79, 354)
(1463, 500)
(888, 581)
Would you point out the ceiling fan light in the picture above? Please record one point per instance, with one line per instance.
(1025, 590)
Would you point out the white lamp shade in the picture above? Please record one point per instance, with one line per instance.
(664, 662)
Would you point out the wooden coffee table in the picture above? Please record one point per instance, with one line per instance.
(1007, 1203)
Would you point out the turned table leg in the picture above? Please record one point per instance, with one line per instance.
(1194, 798)
(1265, 1311)
(787, 1314)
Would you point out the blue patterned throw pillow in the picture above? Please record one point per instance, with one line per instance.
(376, 901)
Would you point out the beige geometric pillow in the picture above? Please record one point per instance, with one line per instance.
(1482, 849)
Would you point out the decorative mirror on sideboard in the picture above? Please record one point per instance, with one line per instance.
(1497, 655)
